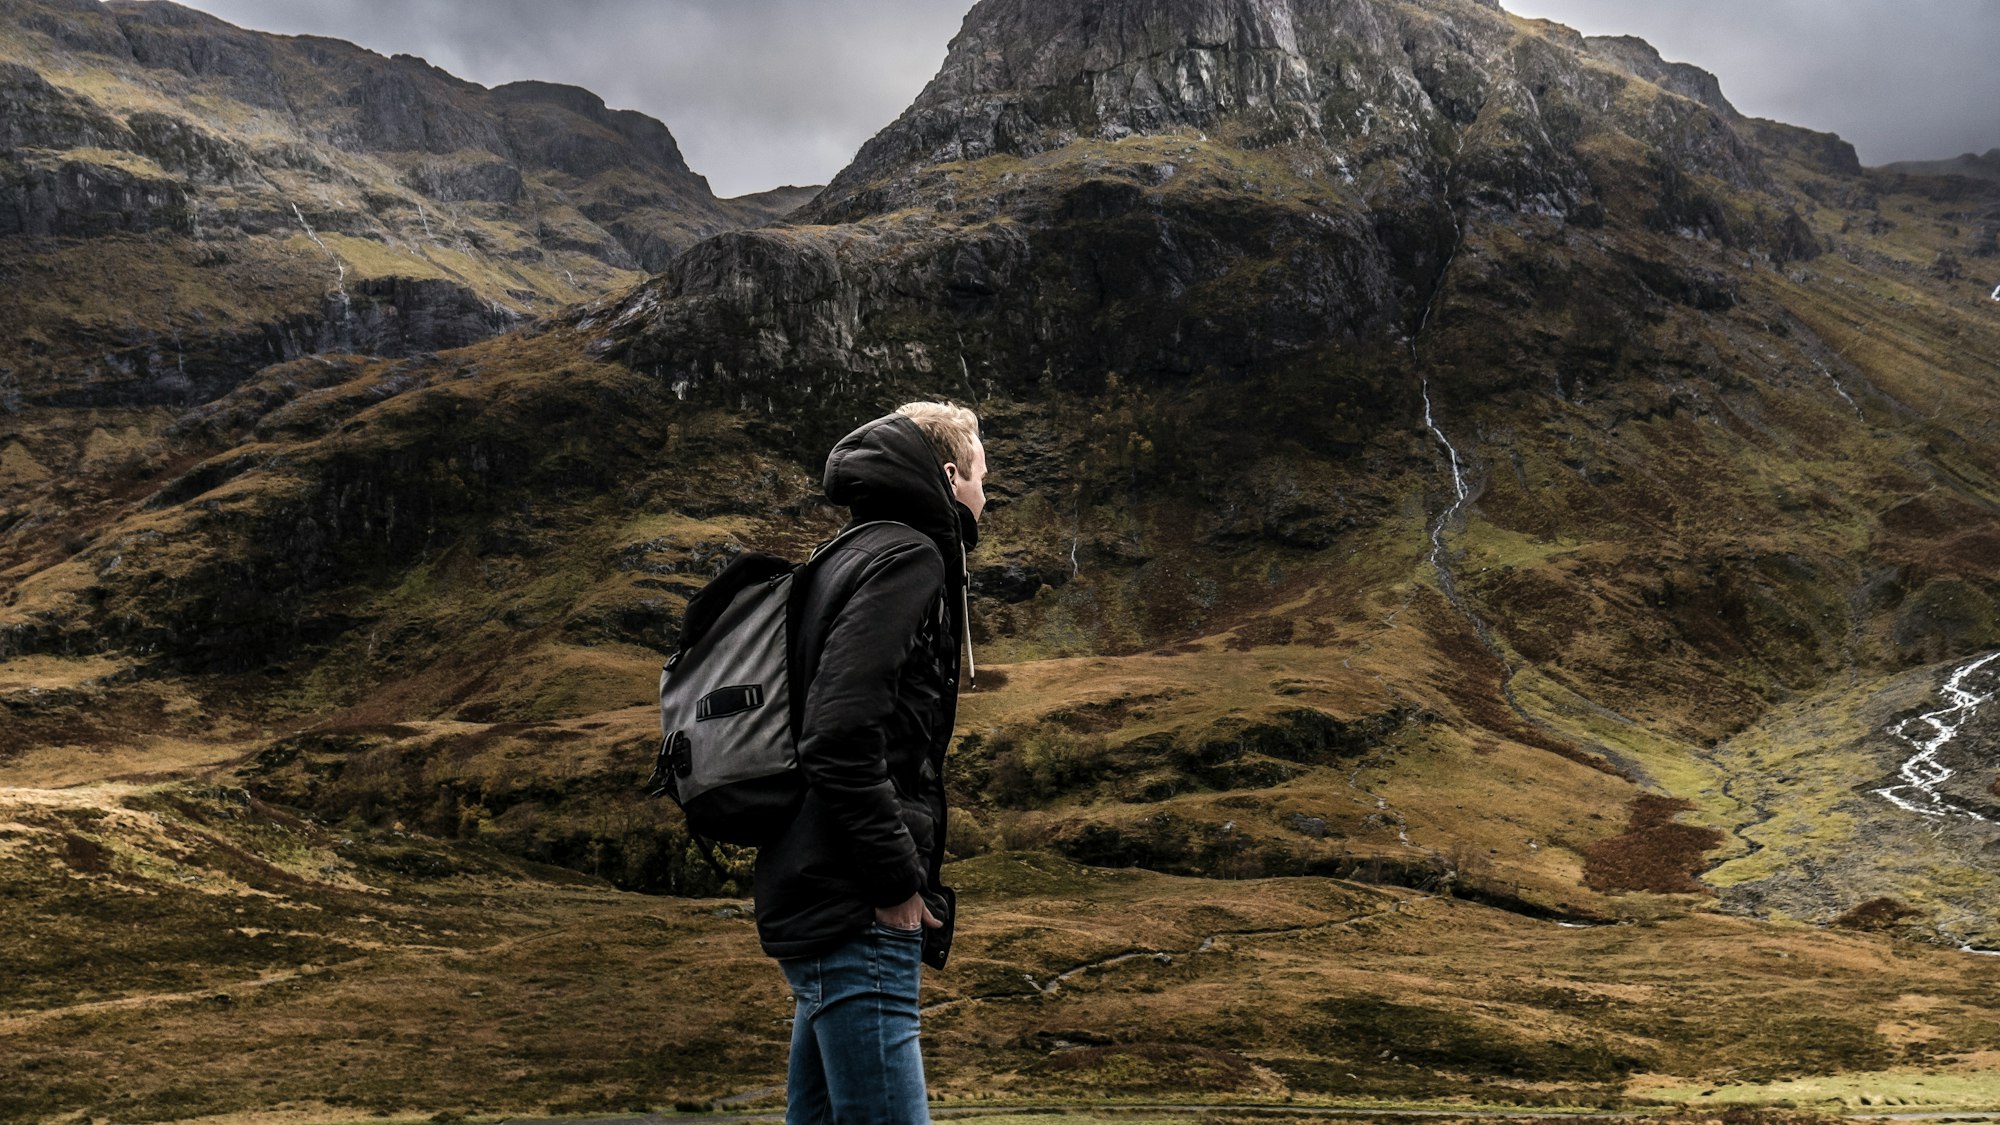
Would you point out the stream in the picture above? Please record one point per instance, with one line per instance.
(1922, 773)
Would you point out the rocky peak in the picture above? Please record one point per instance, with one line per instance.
(356, 99)
(1025, 76)
(574, 109)
(1344, 84)
(1640, 59)
(359, 202)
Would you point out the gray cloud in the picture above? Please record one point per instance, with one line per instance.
(759, 93)
(769, 92)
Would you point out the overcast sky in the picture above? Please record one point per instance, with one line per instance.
(767, 92)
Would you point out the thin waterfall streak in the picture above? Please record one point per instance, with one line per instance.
(1835, 380)
(1430, 423)
(340, 268)
(1458, 488)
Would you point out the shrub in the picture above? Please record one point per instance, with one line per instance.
(1875, 915)
(1044, 762)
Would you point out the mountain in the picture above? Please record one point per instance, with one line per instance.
(1475, 525)
(1978, 167)
(262, 196)
(1464, 367)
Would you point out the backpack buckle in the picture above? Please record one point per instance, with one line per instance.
(675, 760)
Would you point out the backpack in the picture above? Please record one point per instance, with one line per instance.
(730, 706)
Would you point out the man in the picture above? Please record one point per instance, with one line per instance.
(848, 899)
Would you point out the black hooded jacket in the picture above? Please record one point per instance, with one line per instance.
(878, 648)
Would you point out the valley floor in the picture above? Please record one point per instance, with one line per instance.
(182, 951)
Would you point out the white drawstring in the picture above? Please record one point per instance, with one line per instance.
(965, 615)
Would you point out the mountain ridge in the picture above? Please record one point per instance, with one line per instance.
(1984, 166)
(439, 210)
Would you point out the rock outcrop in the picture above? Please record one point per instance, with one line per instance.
(1189, 185)
(1641, 59)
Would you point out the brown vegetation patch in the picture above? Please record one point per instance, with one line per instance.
(1941, 534)
(987, 679)
(1654, 853)
(85, 855)
(1875, 915)
(1262, 633)
(1930, 515)
(1104, 716)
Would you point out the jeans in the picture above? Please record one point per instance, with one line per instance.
(854, 1035)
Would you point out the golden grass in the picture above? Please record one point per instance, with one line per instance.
(445, 979)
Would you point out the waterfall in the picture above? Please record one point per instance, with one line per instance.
(339, 280)
(1457, 479)
(1430, 419)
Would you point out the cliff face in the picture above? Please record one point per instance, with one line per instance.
(1367, 382)
(264, 196)
(1637, 57)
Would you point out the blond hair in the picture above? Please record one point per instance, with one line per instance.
(953, 430)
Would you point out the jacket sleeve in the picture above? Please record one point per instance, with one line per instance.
(849, 706)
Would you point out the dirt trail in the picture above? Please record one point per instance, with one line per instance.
(1163, 956)
(27, 1021)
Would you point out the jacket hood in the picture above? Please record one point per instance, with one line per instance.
(887, 470)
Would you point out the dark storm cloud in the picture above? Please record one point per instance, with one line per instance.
(768, 92)
(1901, 79)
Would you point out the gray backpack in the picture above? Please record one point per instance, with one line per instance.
(730, 706)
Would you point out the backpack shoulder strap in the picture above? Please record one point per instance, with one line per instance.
(858, 530)
(810, 587)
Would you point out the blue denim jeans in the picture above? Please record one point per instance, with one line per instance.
(854, 1035)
